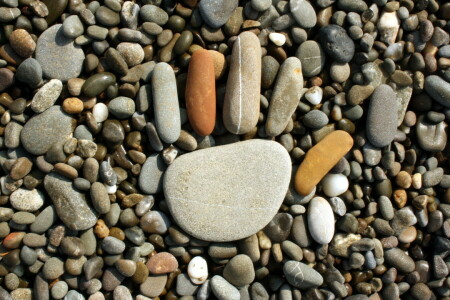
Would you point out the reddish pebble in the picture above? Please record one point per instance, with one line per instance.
(162, 263)
(13, 240)
(201, 92)
(22, 43)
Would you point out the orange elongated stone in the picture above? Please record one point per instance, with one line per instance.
(201, 92)
(320, 159)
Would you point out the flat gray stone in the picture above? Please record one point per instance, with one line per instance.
(301, 276)
(431, 137)
(71, 206)
(224, 290)
(285, 96)
(231, 191)
(303, 13)
(45, 129)
(438, 89)
(217, 12)
(312, 57)
(59, 57)
(151, 176)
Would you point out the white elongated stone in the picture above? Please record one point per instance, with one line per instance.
(334, 184)
(277, 38)
(198, 270)
(388, 26)
(230, 192)
(320, 220)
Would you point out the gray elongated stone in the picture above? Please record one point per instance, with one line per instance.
(231, 191)
(399, 259)
(312, 58)
(165, 103)
(303, 13)
(45, 129)
(30, 72)
(153, 13)
(46, 96)
(431, 137)
(285, 96)
(320, 220)
(71, 206)
(151, 176)
(224, 290)
(59, 57)
(301, 276)
(438, 89)
(381, 123)
(217, 12)
(242, 95)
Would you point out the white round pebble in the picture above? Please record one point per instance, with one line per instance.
(100, 112)
(111, 189)
(314, 95)
(198, 270)
(320, 220)
(334, 184)
(277, 38)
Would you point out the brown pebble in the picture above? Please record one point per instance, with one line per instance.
(117, 233)
(13, 240)
(220, 63)
(101, 230)
(73, 105)
(22, 43)
(21, 168)
(400, 198)
(66, 170)
(162, 263)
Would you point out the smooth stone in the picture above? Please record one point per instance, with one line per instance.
(99, 198)
(122, 107)
(165, 103)
(438, 89)
(184, 286)
(55, 9)
(43, 130)
(223, 290)
(26, 200)
(216, 12)
(312, 57)
(200, 95)
(71, 206)
(320, 220)
(162, 263)
(303, 13)
(285, 96)
(153, 285)
(239, 270)
(30, 72)
(228, 169)
(315, 119)
(388, 26)
(337, 43)
(301, 276)
(132, 53)
(334, 184)
(72, 27)
(155, 222)
(53, 268)
(59, 57)
(399, 260)
(6, 79)
(242, 95)
(112, 245)
(97, 83)
(44, 220)
(279, 227)
(381, 125)
(431, 137)
(153, 13)
(270, 67)
(150, 178)
(46, 96)
(320, 159)
(198, 270)
(107, 17)
(22, 43)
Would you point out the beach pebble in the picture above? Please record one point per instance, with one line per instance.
(239, 270)
(337, 43)
(26, 200)
(312, 57)
(334, 184)
(46, 96)
(216, 12)
(277, 38)
(198, 270)
(30, 72)
(303, 13)
(223, 290)
(301, 276)
(320, 220)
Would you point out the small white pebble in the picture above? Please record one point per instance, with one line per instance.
(334, 184)
(111, 189)
(100, 112)
(277, 38)
(198, 270)
(314, 95)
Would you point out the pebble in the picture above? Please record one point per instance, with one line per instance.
(155, 222)
(26, 200)
(277, 38)
(239, 270)
(45, 129)
(59, 289)
(223, 290)
(53, 268)
(388, 26)
(46, 96)
(99, 197)
(122, 107)
(151, 176)
(201, 92)
(320, 159)
(153, 285)
(301, 276)
(314, 95)
(311, 56)
(337, 43)
(334, 184)
(220, 192)
(399, 260)
(381, 125)
(22, 43)
(162, 263)
(132, 53)
(165, 103)
(72, 27)
(303, 12)
(215, 12)
(97, 83)
(242, 96)
(320, 220)
(71, 206)
(285, 97)
(30, 72)
(431, 137)
(59, 57)
(438, 89)
(315, 119)
(198, 270)
(153, 13)
(6, 79)
(113, 245)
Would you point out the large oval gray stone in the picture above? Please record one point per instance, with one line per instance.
(71, 206)
(59, 57)
(230, 192)
(45, 129)
(165, 103)
(303, 13)
(242, 96)
(381, 123)
(438, 89)
(217, 12)
(285, 96)
(312, 57)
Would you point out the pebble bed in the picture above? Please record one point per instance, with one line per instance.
(224, 149)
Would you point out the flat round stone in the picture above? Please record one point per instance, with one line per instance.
(59, 57)
(230, 195)
(217, 12)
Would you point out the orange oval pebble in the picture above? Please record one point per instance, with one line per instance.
(73, 105)
(201, 92)
(320, 159)
(162, 263)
